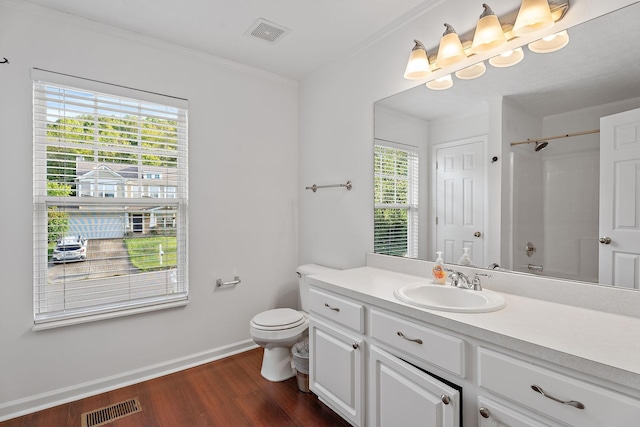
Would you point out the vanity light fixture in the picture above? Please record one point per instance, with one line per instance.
(508, 58)
(441, 83)
(418, 66)
(450, 51)
(489, 34)
(533, 16)
(550, 43)
(472, 72)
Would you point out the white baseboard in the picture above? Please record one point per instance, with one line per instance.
(57, 397)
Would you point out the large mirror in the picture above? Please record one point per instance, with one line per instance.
(522, 207)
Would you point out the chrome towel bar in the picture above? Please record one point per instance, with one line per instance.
(314, 187)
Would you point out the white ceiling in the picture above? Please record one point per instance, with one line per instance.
(322, 31)
(601, 64)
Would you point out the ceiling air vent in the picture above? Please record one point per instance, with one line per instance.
(267, 31)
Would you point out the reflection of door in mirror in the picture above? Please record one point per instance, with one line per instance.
(460, 199)
(620, 200)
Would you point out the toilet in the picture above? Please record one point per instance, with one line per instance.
(279, 329)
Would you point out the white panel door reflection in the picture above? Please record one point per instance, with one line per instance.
(620, 200)
(460, 199)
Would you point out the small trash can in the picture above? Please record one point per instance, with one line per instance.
(301, 362)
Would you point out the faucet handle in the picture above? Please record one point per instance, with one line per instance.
(475, 283)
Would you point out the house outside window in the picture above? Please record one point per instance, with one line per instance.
(396, 201)
(96, 149)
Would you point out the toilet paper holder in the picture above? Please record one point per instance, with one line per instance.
(235, 281)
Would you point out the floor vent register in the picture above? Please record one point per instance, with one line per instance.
(111, 413)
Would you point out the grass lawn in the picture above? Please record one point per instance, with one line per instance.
(144, 252)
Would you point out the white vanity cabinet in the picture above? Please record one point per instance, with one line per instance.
(337, 354)
(494, 414)
(399, 390)
(380, 359)
(555, 395)
(401, 394)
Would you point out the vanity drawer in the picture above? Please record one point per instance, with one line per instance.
(436, 348)
(513, 379)
(338, 309)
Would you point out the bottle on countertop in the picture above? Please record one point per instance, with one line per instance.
(464, 259)
(438, 272)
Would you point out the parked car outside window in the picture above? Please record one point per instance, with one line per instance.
(71, 248)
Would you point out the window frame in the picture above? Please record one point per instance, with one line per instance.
(42, 201)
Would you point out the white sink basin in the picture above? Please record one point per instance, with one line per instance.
(449, 298)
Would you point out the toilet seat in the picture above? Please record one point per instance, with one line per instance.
(278, 319)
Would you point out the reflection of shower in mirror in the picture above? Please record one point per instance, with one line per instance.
(540, 145)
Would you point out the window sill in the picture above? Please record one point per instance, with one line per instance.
(109, 315)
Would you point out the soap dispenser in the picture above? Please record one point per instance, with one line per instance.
(438, 272)
(464, 259)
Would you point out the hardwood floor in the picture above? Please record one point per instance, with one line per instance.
(229, 392)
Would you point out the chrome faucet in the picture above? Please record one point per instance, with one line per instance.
(461, 280)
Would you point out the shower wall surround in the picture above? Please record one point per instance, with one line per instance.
(556, 196)
(571, 216)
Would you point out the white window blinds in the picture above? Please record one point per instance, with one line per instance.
(396, 201)
(110, 198)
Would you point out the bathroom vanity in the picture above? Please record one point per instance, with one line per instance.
(379, 361)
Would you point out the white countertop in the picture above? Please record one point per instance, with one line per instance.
(596, 343)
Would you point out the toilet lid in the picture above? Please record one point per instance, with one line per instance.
(281, 317)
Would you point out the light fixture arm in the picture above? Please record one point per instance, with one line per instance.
(418, 45)
(449, 30)
(487, 11)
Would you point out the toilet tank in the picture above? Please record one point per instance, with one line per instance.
(303, 285)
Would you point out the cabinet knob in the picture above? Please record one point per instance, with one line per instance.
(605, 240)
(355, 345)
(477, 234)
(445, 399)
(485, 412)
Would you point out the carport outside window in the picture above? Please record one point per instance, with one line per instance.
(110, 200)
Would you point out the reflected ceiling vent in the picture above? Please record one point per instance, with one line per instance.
(267, 31)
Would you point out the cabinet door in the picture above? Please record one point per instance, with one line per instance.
(493, 414)
(403, 395)
(336, 364)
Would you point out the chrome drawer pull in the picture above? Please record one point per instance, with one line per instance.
(416, 340)
(331, 308)
(573, 403)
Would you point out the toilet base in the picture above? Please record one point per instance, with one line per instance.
(276, 364)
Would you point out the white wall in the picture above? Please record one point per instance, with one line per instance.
(336, 227)
(243, 154)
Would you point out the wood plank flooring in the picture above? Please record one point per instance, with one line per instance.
(229, 392)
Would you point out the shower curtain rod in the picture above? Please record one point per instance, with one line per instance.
(567, 135)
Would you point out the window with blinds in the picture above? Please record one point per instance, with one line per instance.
(110, 199)
(396, 201)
